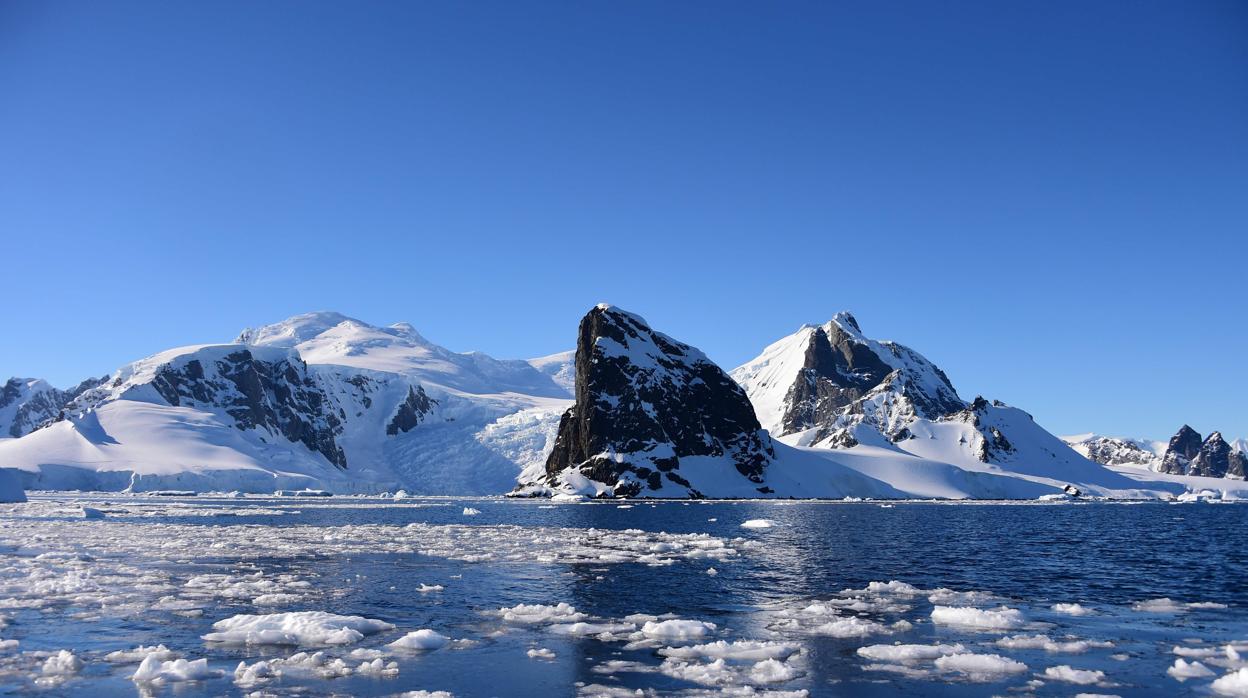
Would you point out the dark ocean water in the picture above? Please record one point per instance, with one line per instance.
(1105, 557)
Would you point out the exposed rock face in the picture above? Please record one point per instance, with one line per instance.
(27, 404)
(278, 396)
(412, 412)
(828, 379)
(1184, 446)
(644, 403)
(1215, 458)
(1107, 450)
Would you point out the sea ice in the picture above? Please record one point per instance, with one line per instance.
(304, 628)
(423, 639)
(153, 670)
(677, 630)
(908, 653)
(999, 619)
(1183, 670)
(1233, 684)
(538, 613)
(758, 523)
(1070, 674)
(980, 667)
(745, 650)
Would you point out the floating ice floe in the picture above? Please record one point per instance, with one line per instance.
(1069, 674)
(980, 667)
(541, 653)
(997, 619)
(428, 588)
(138, 654)
(1167, 605)
(153, 670)
(1071, 609)
(469, 511)
(758, 523)
(908, 653)
(299, 628)
(423, 639)
(538, 613)
(1233, 684)
(677, 630)
(1183, 670)
(1048, 644)
(740, 650)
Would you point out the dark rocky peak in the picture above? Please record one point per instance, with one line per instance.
(1213, 459)
(1183, 447)
(644, 402)
(411, 412)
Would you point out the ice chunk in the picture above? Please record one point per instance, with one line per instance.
(1162, 605)
(908, 653)
(537, 613)
(378, 667)
(758, 523)
(1233, 684)
(1071, 609)
(980, 667)
(138, 654)
(541, 653)
(63, 663)
(469, 511)
(306, 628)
(153, 670)
(851, 627)
(1070, 674)
(1183, 670)
(677, 630)
(423, 639)
(998, 619)
(745, 650)
(773, 671)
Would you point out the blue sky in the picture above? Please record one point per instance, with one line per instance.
(1048, 199)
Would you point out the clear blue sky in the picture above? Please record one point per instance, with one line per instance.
(1049, 199)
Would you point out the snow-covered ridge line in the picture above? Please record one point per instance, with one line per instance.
(320, 400)
(326, 401)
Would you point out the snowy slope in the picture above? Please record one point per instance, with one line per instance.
(374, 409)
(885, 410)
(332, 338)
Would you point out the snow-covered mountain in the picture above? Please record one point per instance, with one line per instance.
(830, 387)
(28, 403)
(1112, 450)
(326, 401)
(850, 417)
(1186, 453)
(650, 411)
(318, 400)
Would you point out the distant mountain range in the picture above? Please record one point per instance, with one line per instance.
(326, 401)
(1185, 454)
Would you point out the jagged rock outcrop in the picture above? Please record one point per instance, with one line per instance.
(279, 396)
(1216, 459)
(828, 379)
(29, 403)
(1108, 450)
(1184, 446)
(1188, 454)
(411, 412)
(645, 405)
